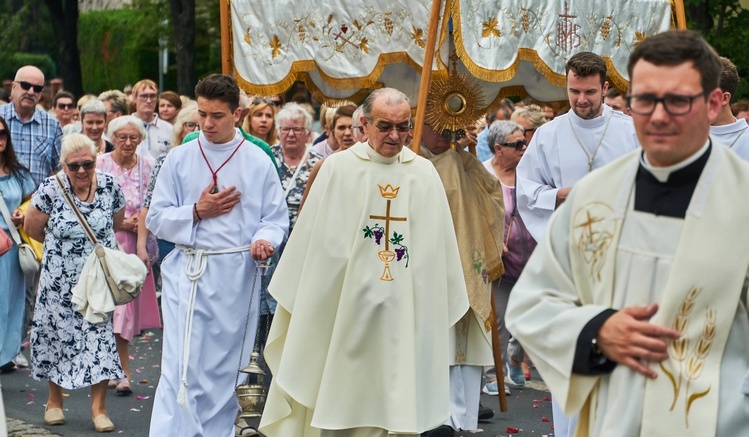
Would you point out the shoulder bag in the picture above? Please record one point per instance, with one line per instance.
(26, 255)
(123, 265)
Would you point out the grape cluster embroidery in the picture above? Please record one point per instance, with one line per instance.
(376, 232)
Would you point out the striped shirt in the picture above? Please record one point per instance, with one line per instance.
(36, 141)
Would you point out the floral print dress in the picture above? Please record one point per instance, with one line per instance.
(65, 348)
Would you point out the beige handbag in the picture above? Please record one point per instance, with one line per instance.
(112, 260)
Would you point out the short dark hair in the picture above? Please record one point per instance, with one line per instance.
(729, 76)
(62, 95)
(219, 87)
(613, 93)
(675, 47)
(585, 64)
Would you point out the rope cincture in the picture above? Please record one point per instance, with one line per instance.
(197, 261)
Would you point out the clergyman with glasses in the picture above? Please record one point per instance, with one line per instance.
(634, 306)
(37, 140)
(367, 289)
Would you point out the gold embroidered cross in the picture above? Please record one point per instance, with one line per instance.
(388, 192)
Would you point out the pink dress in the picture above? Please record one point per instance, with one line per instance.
(143, 312)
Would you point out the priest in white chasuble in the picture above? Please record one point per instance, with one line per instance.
(220, 200)
(634, 306)
(367, 289)
(477, 208)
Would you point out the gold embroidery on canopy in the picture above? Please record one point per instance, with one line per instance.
(690, 366)
(593, 232)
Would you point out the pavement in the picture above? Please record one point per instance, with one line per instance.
(529, 408)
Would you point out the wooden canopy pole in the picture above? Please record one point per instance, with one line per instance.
(226, 67)
(426, 74)
(681, 17)
(498, 364)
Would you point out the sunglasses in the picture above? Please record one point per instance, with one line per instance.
(25, 86)
(271, 102)
(401, 129)
(517, 145)
(4, 134)
(65, 106)
(75, 166)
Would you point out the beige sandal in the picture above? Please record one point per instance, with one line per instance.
(103, 424)
(54, 416)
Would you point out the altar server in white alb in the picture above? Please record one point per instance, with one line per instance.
(368, 287)
(220, 200)
(634, 305)
(569, 147)
(727, 129)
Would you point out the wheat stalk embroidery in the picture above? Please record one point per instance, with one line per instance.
(690, 365)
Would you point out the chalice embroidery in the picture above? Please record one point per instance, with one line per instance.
(376, 232)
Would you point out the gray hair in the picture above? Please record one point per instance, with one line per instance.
(500, 130)
(391, 95)
(72, 143)
(293, 111)
(94, 106)
(118, 101)
(120, 122)
(532, 113)
(355, 119)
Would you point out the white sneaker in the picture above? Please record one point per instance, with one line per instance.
(20, 360)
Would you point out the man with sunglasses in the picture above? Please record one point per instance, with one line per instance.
(477, 209)
(37, 140)
(569, 147)
(158, 132)
(634, 306)
(367, 289)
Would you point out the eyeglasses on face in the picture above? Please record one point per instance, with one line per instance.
(296, 129)
(135, 139)
(65, 106)
(75, 166)
(400, 128)
(674, 104)
(146, 97)
(4, 134)
(191, 125)
(517, 145)
(259, 100)
(26, 86)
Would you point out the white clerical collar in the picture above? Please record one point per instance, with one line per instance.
(729, 128)
(376, 157)
(662, 173)
(592, 123)
(223, 146)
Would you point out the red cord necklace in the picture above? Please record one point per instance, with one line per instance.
(215, 173)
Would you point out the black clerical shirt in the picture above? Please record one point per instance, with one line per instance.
(671, 199)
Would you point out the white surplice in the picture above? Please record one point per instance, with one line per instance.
(734, 135)
(545, 311)
(554, 159)
(223, 291)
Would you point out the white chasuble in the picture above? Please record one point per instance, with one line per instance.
(559, 155)
(223, 294)
(369, 284)
(601, 254)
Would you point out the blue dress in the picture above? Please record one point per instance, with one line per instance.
(13, 189)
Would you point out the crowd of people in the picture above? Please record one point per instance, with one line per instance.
(625, 286)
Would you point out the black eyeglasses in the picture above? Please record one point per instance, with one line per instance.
(25, 86)
(191, 125)
(65, 106)
(258, 100)
(402, 128)
(4, 134)
(75, 166)
(674, 104)
(517, 145)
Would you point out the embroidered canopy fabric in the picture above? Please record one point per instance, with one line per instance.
(342, 48)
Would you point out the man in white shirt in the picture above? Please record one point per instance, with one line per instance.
(158, 132)
(569, 147)
(727, 129)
